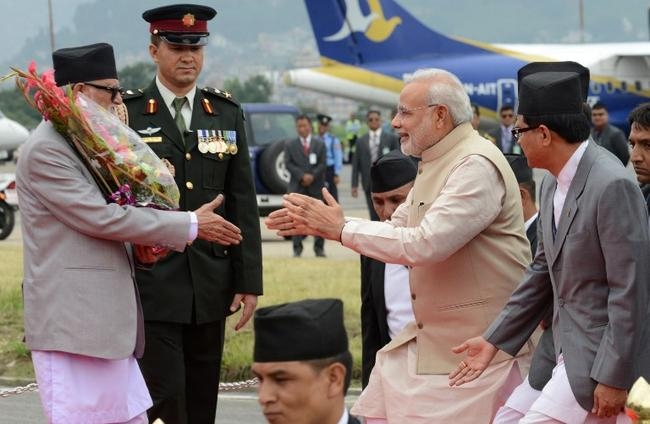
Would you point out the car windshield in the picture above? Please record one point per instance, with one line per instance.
(271, 127)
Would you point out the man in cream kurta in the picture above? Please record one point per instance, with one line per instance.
(462, 233)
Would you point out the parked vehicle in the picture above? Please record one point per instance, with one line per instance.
(12, 136)
(268, 127)
(7, 206)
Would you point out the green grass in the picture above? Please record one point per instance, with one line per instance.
(285, 280)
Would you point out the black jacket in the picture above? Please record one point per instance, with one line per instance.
(205, 277)
(374, 328)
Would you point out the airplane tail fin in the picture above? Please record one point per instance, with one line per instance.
(364, 31)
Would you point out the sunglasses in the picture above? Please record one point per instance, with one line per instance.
(507, 115)
(518, 132)
(115, 90)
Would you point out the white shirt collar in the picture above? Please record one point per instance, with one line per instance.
(344, 417)
(528, 223)
(168, 96)
(570, 168)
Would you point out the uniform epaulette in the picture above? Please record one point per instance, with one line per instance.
(132, 94)
(221, 94)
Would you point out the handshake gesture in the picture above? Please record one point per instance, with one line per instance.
(211, 227)
(215, 228)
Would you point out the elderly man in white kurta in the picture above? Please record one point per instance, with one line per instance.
(462, 233)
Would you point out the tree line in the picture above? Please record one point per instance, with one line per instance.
(255, 89)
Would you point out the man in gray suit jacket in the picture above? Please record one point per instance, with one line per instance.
(592, 261)
(83, 320)
(306, 158)
(370, 147)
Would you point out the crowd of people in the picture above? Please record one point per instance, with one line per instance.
(479, 303)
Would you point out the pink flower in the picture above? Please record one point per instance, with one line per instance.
(50, 83)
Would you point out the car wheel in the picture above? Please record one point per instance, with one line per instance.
(273, 169)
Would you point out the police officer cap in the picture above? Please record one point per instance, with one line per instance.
(84, 63)
(554, 89)
(300, 331)
(392, 171)
(519, 165)
(323, 119)
(180, 24)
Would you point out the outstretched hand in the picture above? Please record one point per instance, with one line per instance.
(214, 227)
(479, 354)
(304, 215)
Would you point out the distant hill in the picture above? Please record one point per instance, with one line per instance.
(263, 35)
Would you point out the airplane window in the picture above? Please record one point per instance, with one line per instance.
(624, 85)
(638, 86)
(609, 87)
(595, 87)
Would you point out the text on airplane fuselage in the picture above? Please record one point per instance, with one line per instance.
(481, 88)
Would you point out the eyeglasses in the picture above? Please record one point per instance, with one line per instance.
(403, 112)
(115, 90)
(517, 132)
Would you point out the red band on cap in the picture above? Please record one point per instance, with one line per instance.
(176, 25)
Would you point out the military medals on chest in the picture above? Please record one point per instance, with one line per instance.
(203, 141)
(217, 142)
(222, 147)
(231, 140)
(213, 143)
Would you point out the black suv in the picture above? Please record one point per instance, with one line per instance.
(268, 127)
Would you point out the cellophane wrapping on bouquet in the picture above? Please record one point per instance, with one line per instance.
(134, 173)
(125, 169)
(637, 405)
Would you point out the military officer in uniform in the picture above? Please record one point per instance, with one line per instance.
(187, 296)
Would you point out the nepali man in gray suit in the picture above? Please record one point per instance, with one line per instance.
(591, 261)
(83, 320)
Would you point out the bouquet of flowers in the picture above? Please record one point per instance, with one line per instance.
(637, 405)
(125, 169)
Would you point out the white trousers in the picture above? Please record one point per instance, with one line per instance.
(555, 404)
(76, 389)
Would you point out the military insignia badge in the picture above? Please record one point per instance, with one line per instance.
(149, 131)
(188, 20)
(207, 106)
(151, 107)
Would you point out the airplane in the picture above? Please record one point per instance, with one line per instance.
(368, 47)
(12, 135)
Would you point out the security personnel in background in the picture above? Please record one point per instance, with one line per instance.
(187, 296)
(334, 159)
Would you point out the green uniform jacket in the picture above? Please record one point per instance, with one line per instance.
(206, 275)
